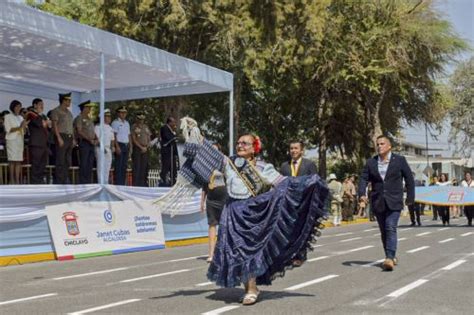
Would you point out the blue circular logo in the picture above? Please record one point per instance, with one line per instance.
(108, 216)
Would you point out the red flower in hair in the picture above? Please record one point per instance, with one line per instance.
(257, 145)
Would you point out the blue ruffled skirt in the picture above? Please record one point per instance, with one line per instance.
(260, 237)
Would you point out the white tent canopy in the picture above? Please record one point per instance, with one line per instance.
(42, 55)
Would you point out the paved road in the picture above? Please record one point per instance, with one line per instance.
(342, 276)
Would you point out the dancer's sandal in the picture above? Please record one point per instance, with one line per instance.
(250, 298)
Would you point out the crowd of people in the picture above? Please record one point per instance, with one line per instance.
(31, 136)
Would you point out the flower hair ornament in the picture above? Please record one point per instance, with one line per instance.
(257, 144)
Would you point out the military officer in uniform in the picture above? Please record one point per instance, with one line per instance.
(121, 129)
(87, 139)
(141, 138)
(62, 120)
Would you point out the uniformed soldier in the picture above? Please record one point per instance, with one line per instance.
(84, 127)
(141, 138)
(63, 130)
(121, 129)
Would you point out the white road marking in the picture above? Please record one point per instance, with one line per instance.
(90, 273)
(28, 298)
(454, 264)
(342, 234)
(103, 307)
(376, 234)
(417, 249)
(402, 239)
(350, 239)
(468, 233)
(373, 263)
(188, 258)
(355, 249)
(407, 288)
(318, 258)
(318, 246)
(424, 233)
(368, 230)
(221, 310)
(203, 284)
(154, 276)
(447, 240)
(442, 229)
(308, 283)
(405, 229)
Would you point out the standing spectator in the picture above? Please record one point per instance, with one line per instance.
(347, 199)
(141, 138)
(15, 127)
(38, 144)
(455, 210)
(87, 140)
(422, 205)
(352, 178)
(335, 193)
(415, 207)
(109, 143)
(434, 182)
(169, 153)
(444, 210)
(297, 166)
(386, 171)
(213, 199)
(121, 129)
(468, 210)
(63, 131)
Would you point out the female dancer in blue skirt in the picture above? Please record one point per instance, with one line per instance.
(269, 221)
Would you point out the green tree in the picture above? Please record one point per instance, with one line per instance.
(462, 113)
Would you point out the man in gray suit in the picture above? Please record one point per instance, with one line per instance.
(297, 166)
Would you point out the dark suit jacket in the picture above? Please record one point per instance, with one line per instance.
(38, 134)
(307, 168)
(168, 143)
(388, 192)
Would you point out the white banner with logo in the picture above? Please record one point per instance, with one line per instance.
(85, 229)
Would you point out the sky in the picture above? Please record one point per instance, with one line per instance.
(460, 14)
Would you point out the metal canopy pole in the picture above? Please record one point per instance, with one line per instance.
(231, 123)
(101, 116)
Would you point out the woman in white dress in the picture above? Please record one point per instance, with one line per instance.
(15, 127)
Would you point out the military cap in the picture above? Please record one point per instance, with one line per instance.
(107, 112)
(121, 109)
(66, 96)
(85, 104)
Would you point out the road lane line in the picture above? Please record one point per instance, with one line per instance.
(90, 273)
(355, 249)
(373, 263)
(350, 239)
(221, 310)
(342, 234)
(407, 288)
(318, 258)
(402, 239)
(103, 307)
(417, 249)
(376, 234)
(447, 240)
(454, 264)
(203, 284)
(424, 233)
(468, 233)
(405, 229)
(442, 229)
(369, 230)
(188, 258)
(155, 275)
(308, 283)
(28, 298)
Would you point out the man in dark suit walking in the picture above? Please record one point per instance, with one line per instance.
(386, 173)
(297, 166)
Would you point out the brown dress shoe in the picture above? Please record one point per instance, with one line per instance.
(387, 264)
